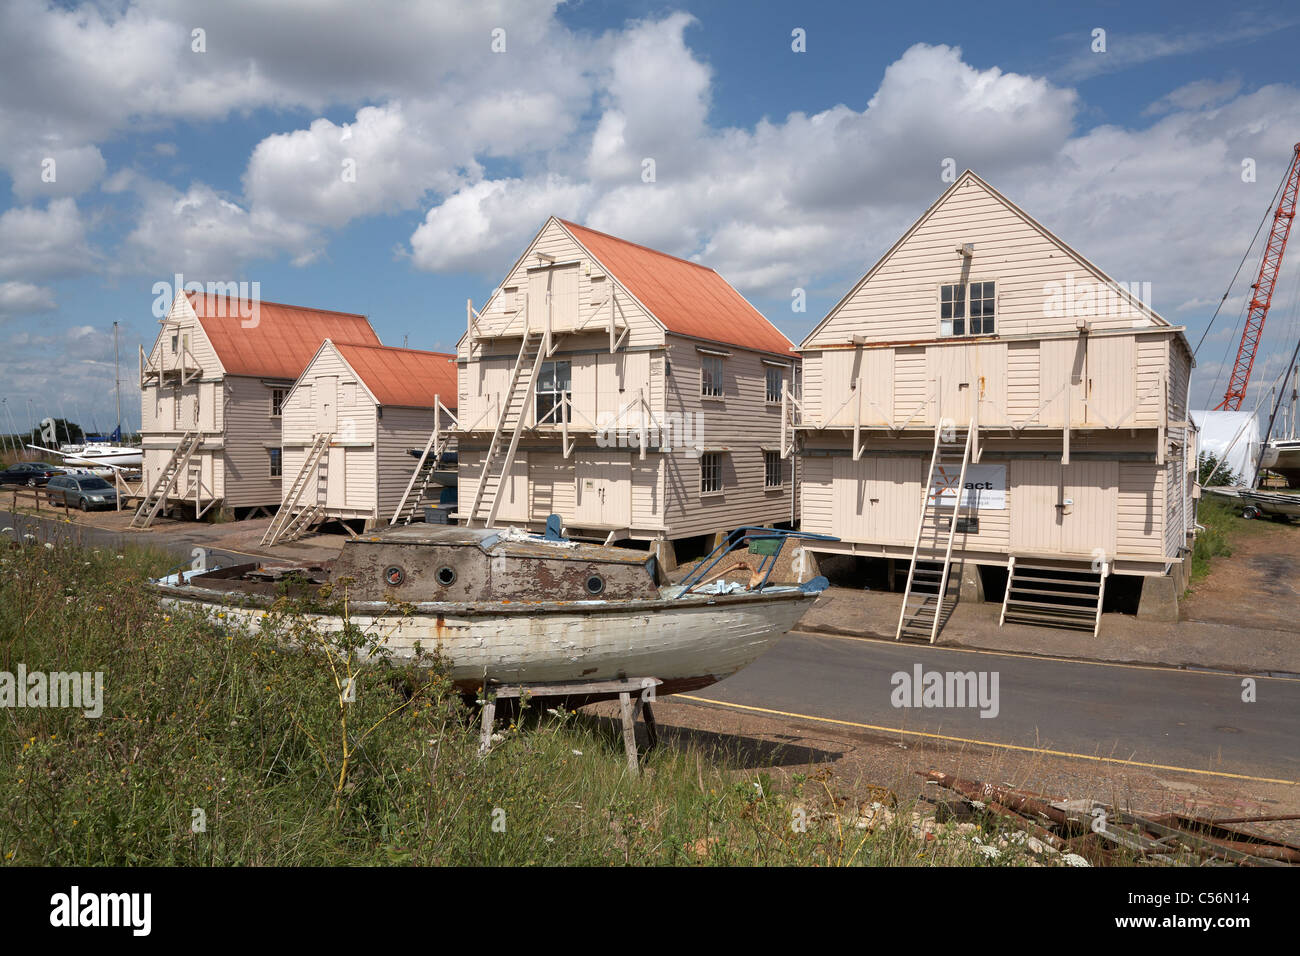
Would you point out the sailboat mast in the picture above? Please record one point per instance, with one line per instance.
(117, 379)
(1272, 418)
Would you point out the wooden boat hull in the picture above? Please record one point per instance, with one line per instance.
(687, 643)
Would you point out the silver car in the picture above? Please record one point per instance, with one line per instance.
(86, 492)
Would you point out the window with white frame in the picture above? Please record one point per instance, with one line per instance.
(967, 309)
(277, 401)
(710, 473)
(554, 384)
(711, 376)
(276, 464)
(775, 381)
(772, 469)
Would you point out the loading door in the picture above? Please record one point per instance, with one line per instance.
(327, 403)
(1067, 509)
(605, 491)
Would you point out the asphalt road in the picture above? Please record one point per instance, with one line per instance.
(1155, 716)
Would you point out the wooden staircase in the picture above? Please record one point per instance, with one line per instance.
(294, 517)
(925, 596)
(156, 499)
(532, 350)
(1047, 596)
(430, 461)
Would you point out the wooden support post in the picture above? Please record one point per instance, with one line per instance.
(488, 717)
(629, 708)
(629, 732)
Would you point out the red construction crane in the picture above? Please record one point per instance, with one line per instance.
(1262, 290)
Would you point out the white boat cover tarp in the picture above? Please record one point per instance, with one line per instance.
(1231, 435)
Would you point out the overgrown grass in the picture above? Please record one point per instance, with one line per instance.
(1220, 520)
(246, 731)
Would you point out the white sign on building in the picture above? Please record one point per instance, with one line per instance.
(985, 486)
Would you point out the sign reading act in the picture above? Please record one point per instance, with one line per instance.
(985, 486)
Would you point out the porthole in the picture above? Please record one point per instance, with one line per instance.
(446, 576)
(394, 575)
(595, 584)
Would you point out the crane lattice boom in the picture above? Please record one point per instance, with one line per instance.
(1262, 290)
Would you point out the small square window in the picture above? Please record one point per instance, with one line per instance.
(954, 317)
(710, 473)
(772, 469)
(276, 467)
(775, 381)
(711, 376)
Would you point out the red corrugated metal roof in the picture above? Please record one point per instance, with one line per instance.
(409, 378)
(688, 298)
(284, 339)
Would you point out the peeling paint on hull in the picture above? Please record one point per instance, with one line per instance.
(688, 644)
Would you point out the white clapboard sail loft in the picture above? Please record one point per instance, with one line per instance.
(1072, 391)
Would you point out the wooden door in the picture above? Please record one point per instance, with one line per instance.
(336, 477)
(1111, 380)
(1062, 366)
(514, 491)
(853, 507)
(949, 369)
(208, 406)
(1090, 494)
(604, 490)
(876, 499)
(1035, 491)
(327, 403)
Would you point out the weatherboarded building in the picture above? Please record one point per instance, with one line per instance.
(983, 353)
(349, 425)
(213, 386)
(635, 394)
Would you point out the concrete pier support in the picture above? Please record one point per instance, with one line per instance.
(972, 585)
(665, 553)
(1159, 600)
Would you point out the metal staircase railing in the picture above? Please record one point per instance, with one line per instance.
(922, 618)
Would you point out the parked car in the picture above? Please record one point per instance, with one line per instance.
(30, 473)
(82, 491)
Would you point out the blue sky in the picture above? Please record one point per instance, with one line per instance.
(782, 170)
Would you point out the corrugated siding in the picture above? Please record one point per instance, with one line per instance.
(900, 302)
